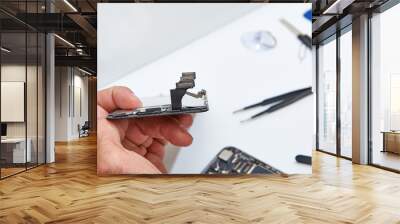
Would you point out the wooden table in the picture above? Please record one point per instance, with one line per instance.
(391, 141)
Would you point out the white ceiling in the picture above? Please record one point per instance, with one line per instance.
(142, 33)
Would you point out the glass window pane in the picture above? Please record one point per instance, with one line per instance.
(327, 97)
(385, 84)
(41, 98)
(31, 97)
(31, 88)
(13, 86)
(346, 94)
(23, 90)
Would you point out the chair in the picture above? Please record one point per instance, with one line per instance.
(84, 129)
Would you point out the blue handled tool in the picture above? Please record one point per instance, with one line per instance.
(308, 15)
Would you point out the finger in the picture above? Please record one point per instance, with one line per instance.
(135, 134)
(117, 97)
(186, 120)
(136, 164)
(112, 158)
(165, 128)
(156, 161)
(148, 142)
(101, 113)
(157, 148)
(129, 145)
(161, 141)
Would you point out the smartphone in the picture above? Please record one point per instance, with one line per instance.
(162, 110)
(231, 160)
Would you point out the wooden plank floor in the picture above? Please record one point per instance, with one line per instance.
(70, 192)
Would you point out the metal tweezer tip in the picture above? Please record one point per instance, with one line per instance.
(247, 120)
(237, 111)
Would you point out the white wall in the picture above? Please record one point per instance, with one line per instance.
(61, 103)
(12, 73)
(80, 89)
(13, 100)
(162, 30)
(67, 115)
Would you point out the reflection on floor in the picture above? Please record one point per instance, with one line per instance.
(387, 159)
(69, 191)
(12, 169)
(346, 152)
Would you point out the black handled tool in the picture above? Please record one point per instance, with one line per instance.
(282, 100)
(304, 159)
(305, 39)
(274, 99)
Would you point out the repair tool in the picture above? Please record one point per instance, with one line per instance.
(280, 101)
(304, 38)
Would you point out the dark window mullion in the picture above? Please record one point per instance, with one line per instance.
(37, 91)
(369, 91)
(26, 87)
(338, 91)
(317, 94)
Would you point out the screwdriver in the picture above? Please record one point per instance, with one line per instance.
(305, 39)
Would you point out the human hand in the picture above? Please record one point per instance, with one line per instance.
(135, 146)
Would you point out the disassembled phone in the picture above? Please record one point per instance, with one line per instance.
(186, 82)
(231, 160)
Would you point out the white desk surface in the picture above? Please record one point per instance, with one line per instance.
(235, 77)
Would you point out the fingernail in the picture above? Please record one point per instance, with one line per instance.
(189, 139)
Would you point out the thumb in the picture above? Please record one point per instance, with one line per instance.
(117, 97)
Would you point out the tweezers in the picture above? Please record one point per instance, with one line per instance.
(281, 101)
